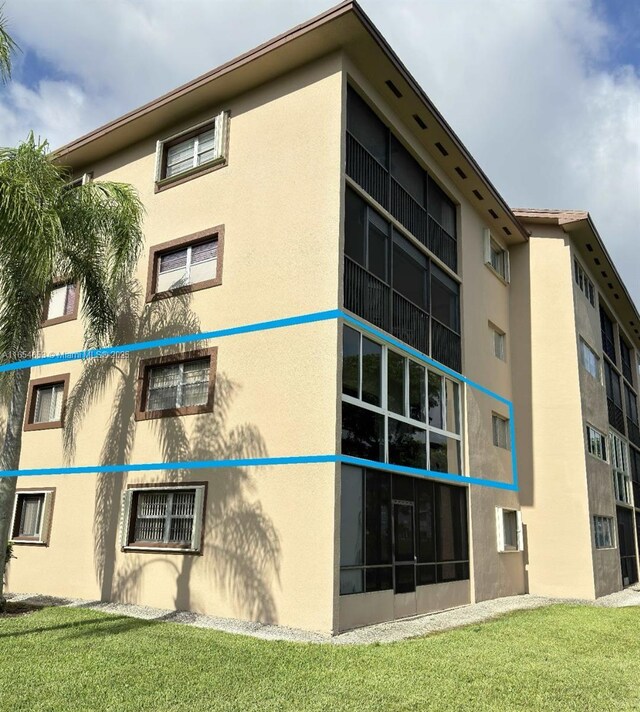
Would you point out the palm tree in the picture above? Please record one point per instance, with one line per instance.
(49, 231)
(7, 47)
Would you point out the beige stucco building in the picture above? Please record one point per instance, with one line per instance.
(386, 411)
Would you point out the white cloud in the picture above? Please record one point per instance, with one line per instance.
(523, 82)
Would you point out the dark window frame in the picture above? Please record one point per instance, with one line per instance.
(196, 238)
(29, 424)
(170, 359)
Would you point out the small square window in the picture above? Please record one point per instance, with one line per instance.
(62, 305)
(187, 264)
(192, 152)
(46, 401)
(31, 516)
(163, 517)
(500, 431)
(509, 529)
(596, 443)
(603, 532)
(177, 385)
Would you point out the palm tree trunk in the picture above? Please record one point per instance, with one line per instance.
(10, 460)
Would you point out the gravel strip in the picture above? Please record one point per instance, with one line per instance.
(392, 631)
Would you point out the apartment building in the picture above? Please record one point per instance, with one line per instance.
(336, 445)
(577, 336)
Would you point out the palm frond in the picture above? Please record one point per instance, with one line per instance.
(7, 48)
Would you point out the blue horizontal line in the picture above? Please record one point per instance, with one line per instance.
(173, 340)
(250, 462)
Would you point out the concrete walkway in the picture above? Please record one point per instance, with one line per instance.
(381, 633)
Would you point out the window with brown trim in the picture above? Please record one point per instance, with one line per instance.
(192, 153)
(187, 264)
(166, 517)
(180, 384)
(62, 305)
(46, 402)
(32, 516)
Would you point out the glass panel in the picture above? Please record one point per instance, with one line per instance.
(426, 521)
(417, 390)
(350, 362)
(445, 299)
(163, 387)
(444, 454)
(351, 581)
(152, 511)
(70, 301)
(395, 382)
(48, 408)
(180, 157)
(409, 271)
(195, 382)
(435, 400)
(364, 125)
(203, 271)
(452, 390)
(407, 445)
(378, 504)
(371, 372)
(30, 514)
(379, 579)
(510, 529)
(355, 227)
(351, 517)
(206, 141)
(362, 433)
(204, 251)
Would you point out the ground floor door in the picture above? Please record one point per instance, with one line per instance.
(404, 559)
(627, 546)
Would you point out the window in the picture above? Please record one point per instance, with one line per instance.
(620, 466)
(607, 332)
(589, 359)
(584, 283)
(500, 431)
(31, 516)
(385, 393)
(498, 342)
(509, 529)
(186, 264)
(164, 517)
(626, 357)
(399, 532)
(496, 257)
(596, 443)
(62, 305)
(192, 152)
(603, 532)
(177, 385)
(45, 403)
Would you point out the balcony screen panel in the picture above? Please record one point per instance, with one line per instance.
(612, 383)
(378, 529)
(445, 300)
(441, 208)
(355, 227)
(451, 525)
(378, 244)
(366, 127)
(407, 171)
(426, 524)
(409, 272)
(351, 517)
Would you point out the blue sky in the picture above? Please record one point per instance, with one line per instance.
(544, 93)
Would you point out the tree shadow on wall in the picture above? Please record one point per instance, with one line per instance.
(241, 548)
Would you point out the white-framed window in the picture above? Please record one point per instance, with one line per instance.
(80, 180)
(500, 427)
(596, 443)
(498, 342)
(191, 150)
(589, 359)
(584, 283)
(30, 523)
(163, 517)
(48, 405)
(496, 257)
(62, 301)
(509, 529)
(188, 265)
(603, 532)
(178, 385)
(620, 467)
(397, 410)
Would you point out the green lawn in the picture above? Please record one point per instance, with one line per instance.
(556, 658)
